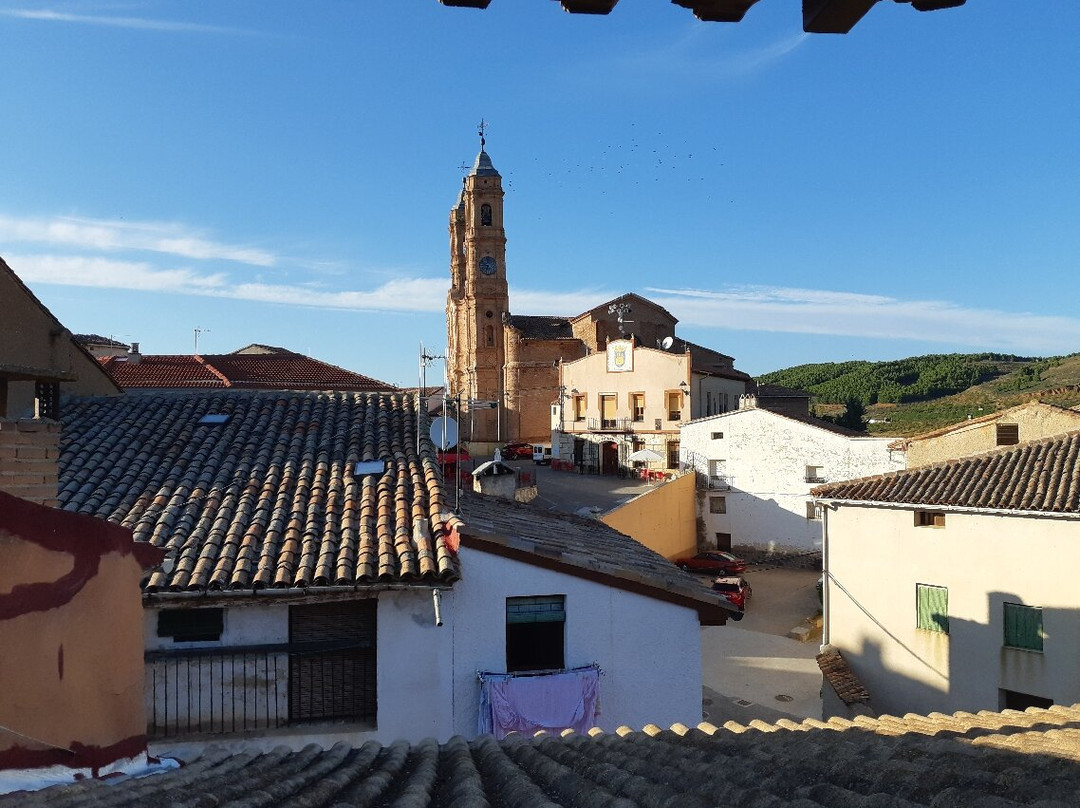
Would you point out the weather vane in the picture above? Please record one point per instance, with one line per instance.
(481, 129)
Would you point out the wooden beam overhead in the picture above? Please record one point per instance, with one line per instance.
(833, 16)
(589, 6)
(819, 16)
(717, 10)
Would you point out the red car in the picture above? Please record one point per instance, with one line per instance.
(517, 451)
(714, 561)
(734, 589)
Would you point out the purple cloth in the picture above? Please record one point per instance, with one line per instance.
(551, 702)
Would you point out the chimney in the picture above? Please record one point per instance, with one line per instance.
(133, 354)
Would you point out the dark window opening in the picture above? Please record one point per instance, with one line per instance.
(673, 454)
(485, 215)
(332, 671)
(490, 332)
(191, 625)
(929, 519)
(723, 541)
(674, 405)
(535, 636)
(1013, 700)
(1008, 434)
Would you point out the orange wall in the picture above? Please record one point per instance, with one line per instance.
(71, 630)
(664, 520)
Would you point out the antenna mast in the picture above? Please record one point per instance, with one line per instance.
(197, 332)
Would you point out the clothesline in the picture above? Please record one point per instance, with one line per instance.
(535, 701)
(481, 675)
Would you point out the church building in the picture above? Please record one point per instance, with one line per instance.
(503, 368)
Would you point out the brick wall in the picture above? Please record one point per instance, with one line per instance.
(29, 459)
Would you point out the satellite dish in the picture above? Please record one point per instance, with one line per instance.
(444, 433)
(667, 343)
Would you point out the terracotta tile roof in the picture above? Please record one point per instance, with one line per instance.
(1042, 476)
(586, 548)
(267, 499)
(256, 371)
(540, 327)
(991, 760)
(841, 678)
(161, 371)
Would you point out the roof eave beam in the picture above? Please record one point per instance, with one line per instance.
(588, 6)
(717, 10)
(833, 16)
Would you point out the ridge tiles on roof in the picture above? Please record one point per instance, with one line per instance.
(268, 499)
(1038, 476)
(986, 758)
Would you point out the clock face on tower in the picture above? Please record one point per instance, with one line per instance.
(487, 265)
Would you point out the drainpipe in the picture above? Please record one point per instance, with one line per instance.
(825, 575)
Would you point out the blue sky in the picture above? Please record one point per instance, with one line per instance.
(283, 172)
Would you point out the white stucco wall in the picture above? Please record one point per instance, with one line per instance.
(649, 650)
(413, 657)
(766, 456)
(877, 556)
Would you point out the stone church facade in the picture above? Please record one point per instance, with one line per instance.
(503, 368)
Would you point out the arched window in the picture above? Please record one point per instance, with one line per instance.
(485, 215)
(490, 331)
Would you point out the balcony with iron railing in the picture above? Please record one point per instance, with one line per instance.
(213, 691)
(609, 424)
(714, 482)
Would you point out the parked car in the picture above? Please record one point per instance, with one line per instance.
(516, 451)
(734, 589)
(541, 455)
(715, 561)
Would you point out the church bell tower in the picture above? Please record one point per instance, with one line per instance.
(478, 302)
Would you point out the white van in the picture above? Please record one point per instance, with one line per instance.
(542, 455)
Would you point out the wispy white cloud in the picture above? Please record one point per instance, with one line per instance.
(848, 314)
(696, 54)
(139, 23)
(398, 295)
(108, 235)
(747, 308)
(107, 273)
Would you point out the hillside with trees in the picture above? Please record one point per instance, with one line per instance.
(921, 393)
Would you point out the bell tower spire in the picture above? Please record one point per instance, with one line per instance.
(478, 303)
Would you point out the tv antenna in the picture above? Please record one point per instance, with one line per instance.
(197, 332)
(666, 343)
(620, 310)
(421, 394)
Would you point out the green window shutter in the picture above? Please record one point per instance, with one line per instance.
(1023, 627)
(932, 608)
(545, 609)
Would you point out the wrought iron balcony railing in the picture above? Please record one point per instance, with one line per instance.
(201, 691)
